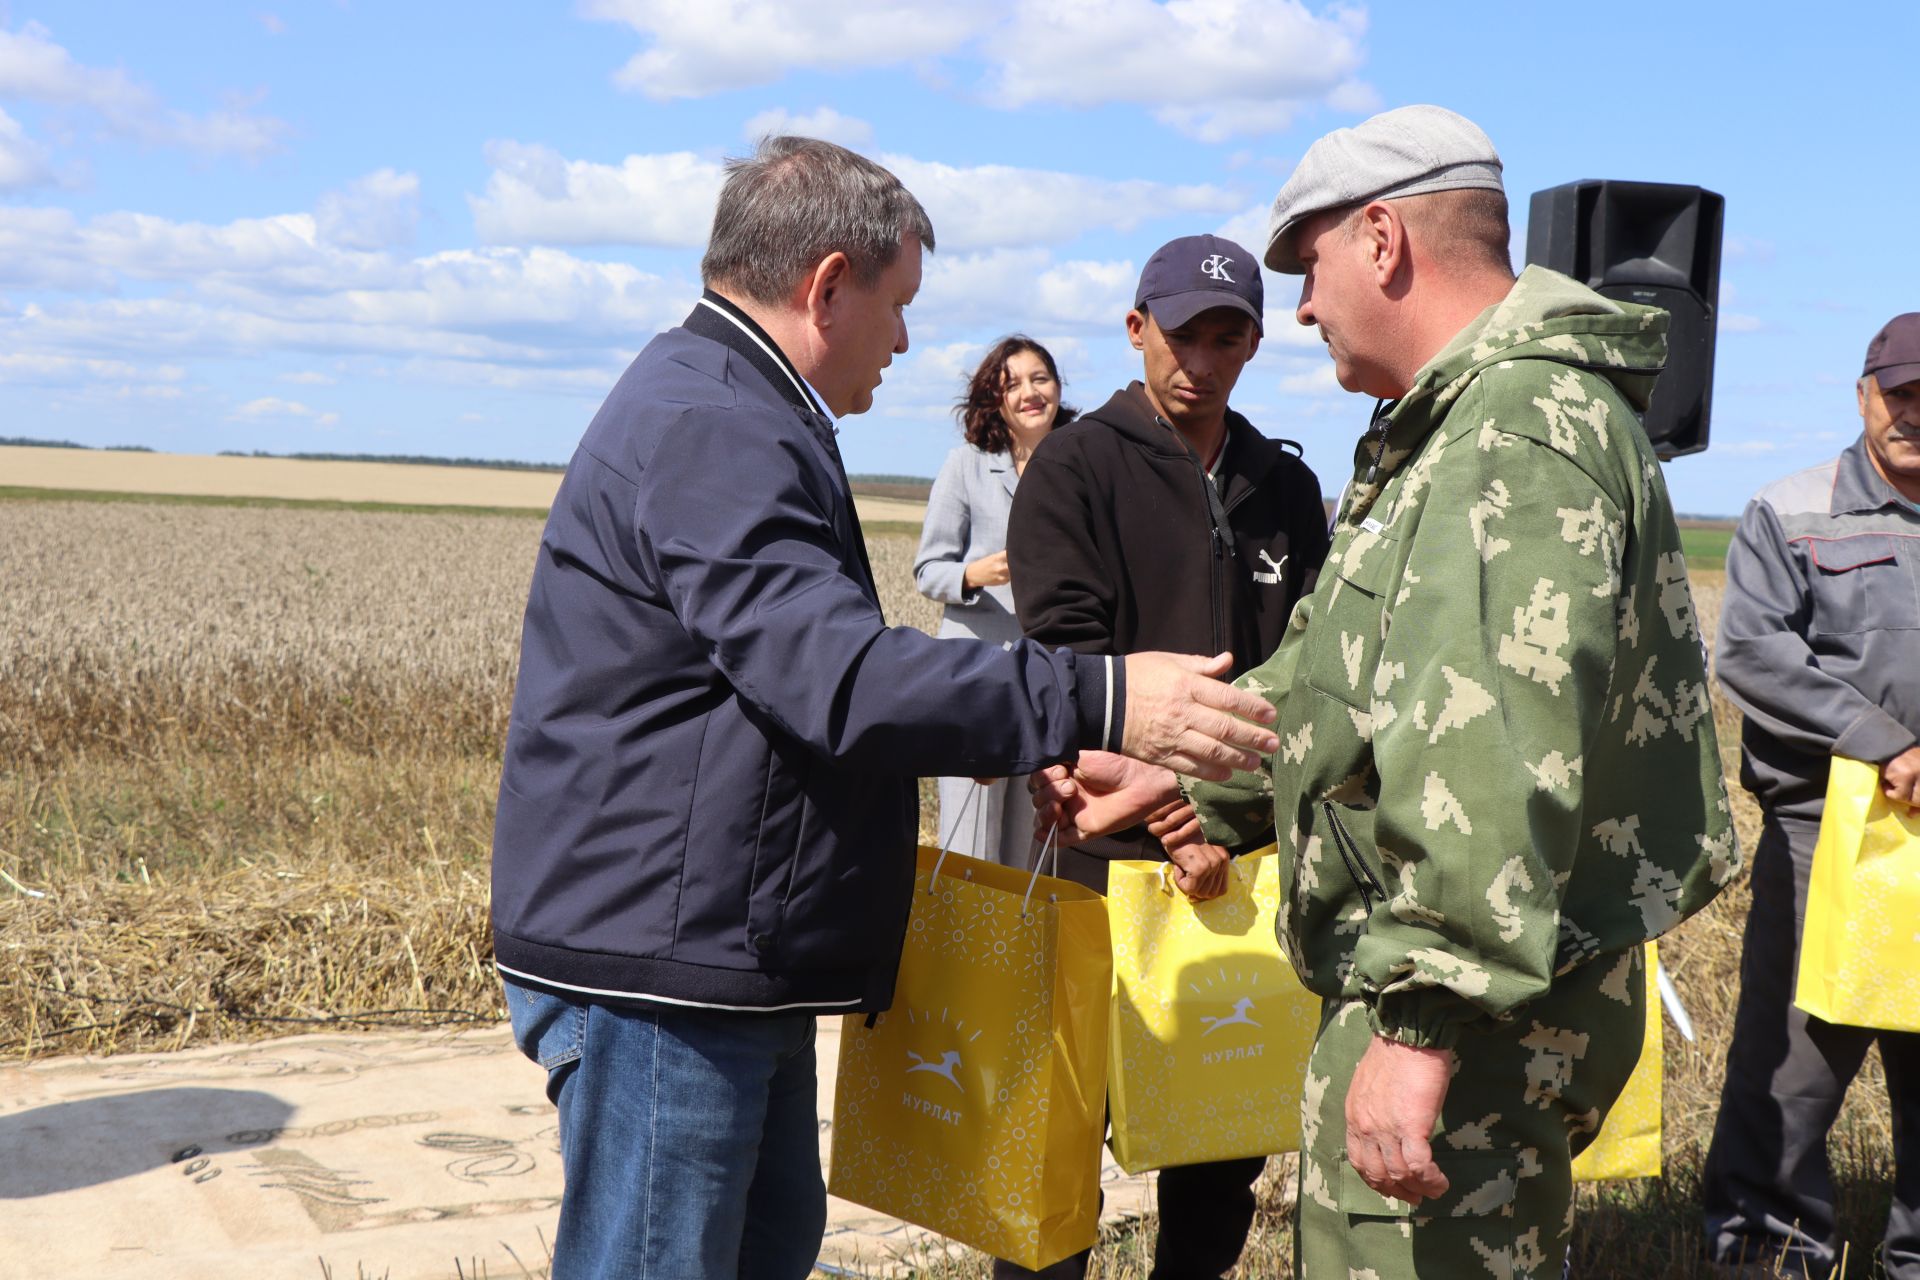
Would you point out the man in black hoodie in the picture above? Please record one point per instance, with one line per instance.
(1164, 520)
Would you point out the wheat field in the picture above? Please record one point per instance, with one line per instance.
(247, 769)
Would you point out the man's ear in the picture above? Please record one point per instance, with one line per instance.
(821, 288)
(1253, 342)
(1860, 394)
(1384, 237)
(1137, 330)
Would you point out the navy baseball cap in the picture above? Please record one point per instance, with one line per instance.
(1195, 273)
(1893, 357)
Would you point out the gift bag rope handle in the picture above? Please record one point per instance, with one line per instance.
(1050, 843)
(946, 844)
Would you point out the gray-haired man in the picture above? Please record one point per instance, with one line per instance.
(707, 814)
(1820, 647)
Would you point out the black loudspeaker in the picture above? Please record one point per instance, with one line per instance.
(1655, 243)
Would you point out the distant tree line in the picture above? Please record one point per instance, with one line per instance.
(406, 459)
(28, 442)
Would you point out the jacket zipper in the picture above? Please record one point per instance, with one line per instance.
(1361, 874)
(1377, 432)
(1221, 542)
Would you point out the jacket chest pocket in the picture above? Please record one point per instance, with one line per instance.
(1869, 582)
(1342, 647)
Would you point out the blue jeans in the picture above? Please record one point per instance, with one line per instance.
(689, 1139)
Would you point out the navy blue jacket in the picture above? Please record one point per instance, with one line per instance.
(709, 793)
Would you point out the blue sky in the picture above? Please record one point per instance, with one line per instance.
(438, 228)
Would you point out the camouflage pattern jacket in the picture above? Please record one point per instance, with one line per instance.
(1497, 756)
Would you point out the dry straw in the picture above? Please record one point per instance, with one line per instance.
(248, 760)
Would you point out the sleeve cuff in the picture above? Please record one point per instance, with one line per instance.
(945, 581)
(1427, 1019)
(1237, 817)
(1874, 737)
(1100, 686)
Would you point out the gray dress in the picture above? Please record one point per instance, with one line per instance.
(966, 519)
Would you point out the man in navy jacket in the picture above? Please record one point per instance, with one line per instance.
(708, 810)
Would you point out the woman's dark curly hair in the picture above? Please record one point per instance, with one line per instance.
(979, 409)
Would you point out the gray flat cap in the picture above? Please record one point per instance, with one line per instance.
(1408, 151)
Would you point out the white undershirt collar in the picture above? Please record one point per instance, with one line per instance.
(800, 384)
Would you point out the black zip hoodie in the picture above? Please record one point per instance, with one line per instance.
(1118, 543)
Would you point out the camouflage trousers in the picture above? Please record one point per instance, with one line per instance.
(1524, 1100)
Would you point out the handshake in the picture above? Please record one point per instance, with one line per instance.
(1101, 792)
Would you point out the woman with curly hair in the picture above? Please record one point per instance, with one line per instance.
(1011, 402)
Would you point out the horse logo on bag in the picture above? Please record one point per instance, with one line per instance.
(949, 1062)
(946, 1064)
(1242, 1009)
(1239, 1014)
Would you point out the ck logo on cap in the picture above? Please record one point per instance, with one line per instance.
(1215, 267)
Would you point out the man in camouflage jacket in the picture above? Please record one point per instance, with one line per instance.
(1498, 772)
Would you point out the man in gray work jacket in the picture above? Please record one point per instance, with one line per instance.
(1820, 647)
(707, 813)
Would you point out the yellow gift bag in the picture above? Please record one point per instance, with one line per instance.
(1862, 935)
(1628, 1145)
(1211, 1028)
(973, 1107)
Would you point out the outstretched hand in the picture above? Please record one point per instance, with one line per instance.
(1180, 716)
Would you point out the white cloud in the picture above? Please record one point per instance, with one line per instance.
(372, 212)
(510, 307)
(1312, 380)
(50, 370)
(275, 25)
(1247, 228)
(1211, 68)
(52, 248)
(274, 286)
(821, 122)
(274, 407)
(22, 161)
(107, 297)
(1011, 289)
(536, 196)
(34, 68)
(999, 206)
(1736, 322)
(699, 47)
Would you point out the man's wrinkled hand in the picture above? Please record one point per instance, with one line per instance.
(1900, 778)
(1099, 794)
(1181, 717)
(1392, 1106)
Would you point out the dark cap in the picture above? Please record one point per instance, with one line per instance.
(1187, 276)
(1893, 357)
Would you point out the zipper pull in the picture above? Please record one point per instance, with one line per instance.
(1378, 427)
